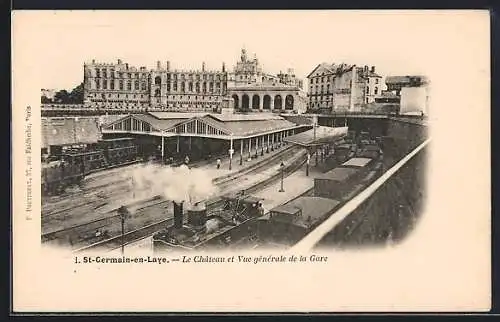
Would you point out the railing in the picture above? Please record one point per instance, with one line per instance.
(311, 239)
(363, 113)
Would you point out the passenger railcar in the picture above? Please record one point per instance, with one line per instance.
(71, 163)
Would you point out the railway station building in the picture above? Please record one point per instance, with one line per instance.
(202, 135)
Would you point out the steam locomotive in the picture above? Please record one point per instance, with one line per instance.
(203, 229)
(70, 164)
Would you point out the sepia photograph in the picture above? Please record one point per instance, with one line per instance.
(200, 137)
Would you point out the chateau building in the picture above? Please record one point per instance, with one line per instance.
(253, 90)
(120, 86)
(343, 87)
(116, 86)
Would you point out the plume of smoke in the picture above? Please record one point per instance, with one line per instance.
(179, 184)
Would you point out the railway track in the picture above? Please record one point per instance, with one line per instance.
(110, 217)
(122, 185)
(213, 204)
(92, 190)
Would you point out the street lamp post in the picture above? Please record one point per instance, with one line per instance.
(307, 163)
(282, 168)
(241, 152)
(123, 212)
(231, 151)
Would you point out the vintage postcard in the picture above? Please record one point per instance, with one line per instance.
(251, 161)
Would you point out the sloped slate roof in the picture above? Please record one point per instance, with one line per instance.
(69, 130)
(176, 115)
(246, 117)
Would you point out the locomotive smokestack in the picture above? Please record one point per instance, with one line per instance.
(197, 215)
(178, 214)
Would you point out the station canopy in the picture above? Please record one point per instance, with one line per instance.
(222, 126)
(320, 135)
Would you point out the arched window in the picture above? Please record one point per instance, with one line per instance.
(104, 84)
(367, 90)
(190, 86)
(267, 102)
(97, 84)
(245, 101)
(120, 85)
(129, 85)
(112, 84)
(236, 101)
(137, 85)
(278, 102)
(144, 87)
(97, 73)
(157, 80)
(211, 87)
(289, 102)
(198, 86)
(204, 86)
(255, 101)
(157, 92)
(183, 87)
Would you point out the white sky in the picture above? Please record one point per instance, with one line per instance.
(397, 43)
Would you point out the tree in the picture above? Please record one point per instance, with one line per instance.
(76, 95)
(62, 97)
(65, 97)
(46, 100)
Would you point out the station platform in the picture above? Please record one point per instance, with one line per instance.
(294, 185)
(106, 176)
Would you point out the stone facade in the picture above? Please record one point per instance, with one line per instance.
(187, 90)
(116, 86)
(343, 87)
(120, 86)
(253, 90)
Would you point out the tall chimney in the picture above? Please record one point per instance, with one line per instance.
(223, 67)
(373, 69)
(168, 65)
(158, 64)
(119, 61)
(203, 67)
(178, 214)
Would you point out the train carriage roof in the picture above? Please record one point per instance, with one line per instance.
(357, 162)
(338, 174)
(313, 209)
